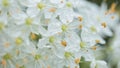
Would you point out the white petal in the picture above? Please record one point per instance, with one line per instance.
(32, 11)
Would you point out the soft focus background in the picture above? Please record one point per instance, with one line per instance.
(109, 53)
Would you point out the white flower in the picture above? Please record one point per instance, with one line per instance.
(99, 64)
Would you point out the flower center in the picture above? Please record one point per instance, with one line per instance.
(51, 39)
(37, 57)
(93, 29)
(69, 4)
(5, 3)
(82, 44)
(28, 21)
(64, 27)
(2, 26)
(7, 56)
(40, 5)
(18, 41)
(22, 66)
(67, 54)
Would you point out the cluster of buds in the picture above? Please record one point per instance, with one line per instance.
(53, 33)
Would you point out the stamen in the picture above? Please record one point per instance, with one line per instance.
(97, 41)
(112, 9)
(7, 44)
(80, 18)
(3, 62)
(93, 29)
(94, 47)
(64, 43)
(112, 17)
(37, 57)
(52, 9)
(77, 61)
(80, 26)
(104, 24)
(33, 36)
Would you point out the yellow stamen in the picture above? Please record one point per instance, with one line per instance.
(80, 18)
(64, 43)
(33, 36)
(3, 62)
(97, 41)
(94, 47)
(112, 9)
(80, 26)
(52, 9)
(112, 17)
(104, 24)
(7, 44)
(77, 61)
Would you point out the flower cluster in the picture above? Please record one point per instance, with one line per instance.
(53, 33)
